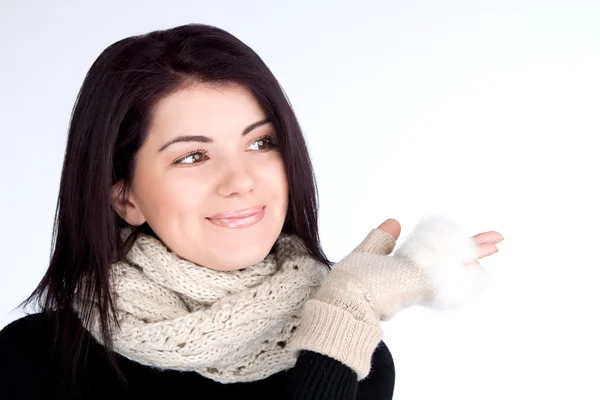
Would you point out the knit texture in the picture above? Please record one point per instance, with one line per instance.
(230, 326)
(369, 286)
(240, 326)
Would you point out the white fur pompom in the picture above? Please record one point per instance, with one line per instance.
(440, 248)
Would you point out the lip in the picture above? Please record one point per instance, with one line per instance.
(249, 217)
(246, 212)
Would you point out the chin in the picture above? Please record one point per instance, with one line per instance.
(236, 249)
(241, 257)
(236, 264)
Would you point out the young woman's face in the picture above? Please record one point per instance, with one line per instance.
(210, 180)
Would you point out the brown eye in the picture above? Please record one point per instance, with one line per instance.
(263, 144)
(195, 157)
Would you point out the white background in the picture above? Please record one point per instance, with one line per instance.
(487, 111)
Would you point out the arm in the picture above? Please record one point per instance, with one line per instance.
(368, 286)
(319, 377)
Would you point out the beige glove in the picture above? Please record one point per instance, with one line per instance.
(368, 285)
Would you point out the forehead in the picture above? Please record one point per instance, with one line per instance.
(205, 109)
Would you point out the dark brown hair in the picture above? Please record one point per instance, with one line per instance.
(109, 123)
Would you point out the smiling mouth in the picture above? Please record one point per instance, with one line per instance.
(239, 218)
(237, 213)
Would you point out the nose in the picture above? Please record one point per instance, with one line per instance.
(236, 179)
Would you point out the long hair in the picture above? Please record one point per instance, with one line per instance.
(108, 125)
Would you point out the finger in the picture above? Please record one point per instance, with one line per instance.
(381, 240)
(391, 226)
(488, 237)
(486, 249)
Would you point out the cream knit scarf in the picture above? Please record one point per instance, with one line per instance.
(228, 326)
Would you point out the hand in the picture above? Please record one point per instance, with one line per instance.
(486, 245)
(369, 286)
(486, 241)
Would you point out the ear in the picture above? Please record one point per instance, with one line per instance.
(125, 204)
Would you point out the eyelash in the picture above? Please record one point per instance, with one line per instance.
(202, 152)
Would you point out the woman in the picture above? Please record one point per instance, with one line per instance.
(186, 253)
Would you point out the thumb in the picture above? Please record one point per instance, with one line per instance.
(381, 240)
(392, 227)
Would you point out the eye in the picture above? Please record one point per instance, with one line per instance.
(195, 157)
(263, 143)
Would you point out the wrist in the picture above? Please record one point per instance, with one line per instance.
(336, 332)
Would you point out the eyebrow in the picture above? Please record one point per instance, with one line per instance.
(206, 139)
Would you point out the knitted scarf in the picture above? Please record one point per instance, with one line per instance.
(229, 326)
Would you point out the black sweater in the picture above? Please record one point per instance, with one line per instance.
(30, 370)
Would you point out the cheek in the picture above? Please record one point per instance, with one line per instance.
(188, 193)
(166, 196)
(276, 178)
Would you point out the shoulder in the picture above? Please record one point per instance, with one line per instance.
(27, 332)
(379, 384)
(26, 339)
(25, 349)
(29, 339)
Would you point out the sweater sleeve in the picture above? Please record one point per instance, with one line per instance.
(319, 377)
